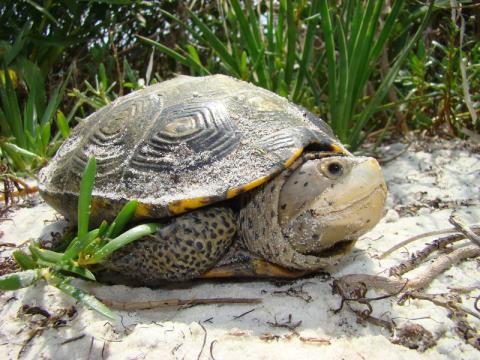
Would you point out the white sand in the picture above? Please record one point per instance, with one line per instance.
(424, 184)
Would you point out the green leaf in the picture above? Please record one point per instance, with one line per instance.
(102, 74)
(127, 237)
(79, 244)
(327, 28)
(44, 11)
(19, 280)
(216, 44)
(20, 151)
(123, 217)
(11, 109)
(45, 137)
(85, 196)
(25, 261)
(388, 80)
(103, 229)
(43, 254)
(19, 43)
(63, 283)
(36, 86)
(311, 21)
(291, 43)
(78, 270)
(185, 60)
(62, 124)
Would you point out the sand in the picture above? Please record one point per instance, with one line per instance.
(426, 183)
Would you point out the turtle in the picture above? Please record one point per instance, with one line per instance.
(244, 182)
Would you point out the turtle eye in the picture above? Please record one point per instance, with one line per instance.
(333, 169)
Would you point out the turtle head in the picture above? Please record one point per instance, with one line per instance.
(327, 203)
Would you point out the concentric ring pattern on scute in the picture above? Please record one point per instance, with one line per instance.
(187, 137)
(108, 141)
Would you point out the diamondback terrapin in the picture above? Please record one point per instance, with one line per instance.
(245, 182)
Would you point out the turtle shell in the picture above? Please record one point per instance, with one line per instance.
(182, 144)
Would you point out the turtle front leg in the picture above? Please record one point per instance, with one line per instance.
(182, 249)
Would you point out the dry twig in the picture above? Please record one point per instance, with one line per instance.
(392, 286)
(142, 305)
(446, 301)
(419, 256)
(315, 340)
(292, 326)
(464, 229)
(475, 228)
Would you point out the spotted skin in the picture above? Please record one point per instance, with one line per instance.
(183, 249)
(261, 233)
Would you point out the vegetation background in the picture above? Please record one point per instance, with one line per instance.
(372, 69)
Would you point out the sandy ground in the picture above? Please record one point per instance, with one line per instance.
(425, 184)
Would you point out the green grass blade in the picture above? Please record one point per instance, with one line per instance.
(19, 280)
(52, 106)
(388, 80)
(123, 217)
(10, 105)
(385, 33)
(185, 60)
(326, 24)
(80, 243)
(30, 114)
(271, 40)
(44, 11)
(307, 49)
(4, 125)
(195, 58)
(45, 137)
(247, 32)
(362, 56)
(216, 44)
(36, 85)
(102, 76)
(19, 43)
(25, 261)
(44, 254)
(245, 74)
(78, 270)
(387, 28)
(85, 197)
(291, 43)
(63, 283)
(17, 160)
(343, 81)
(62, 124)
(20, 151)
(103, 229)
(127, 237)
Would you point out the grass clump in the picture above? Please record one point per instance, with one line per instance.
(86, 249)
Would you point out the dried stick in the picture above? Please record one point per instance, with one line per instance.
(392, 286)
(290, 325)
(142, 305)
(475, 228)
(419, 256)
(464, 229)
(439, 300)
(22, 192)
